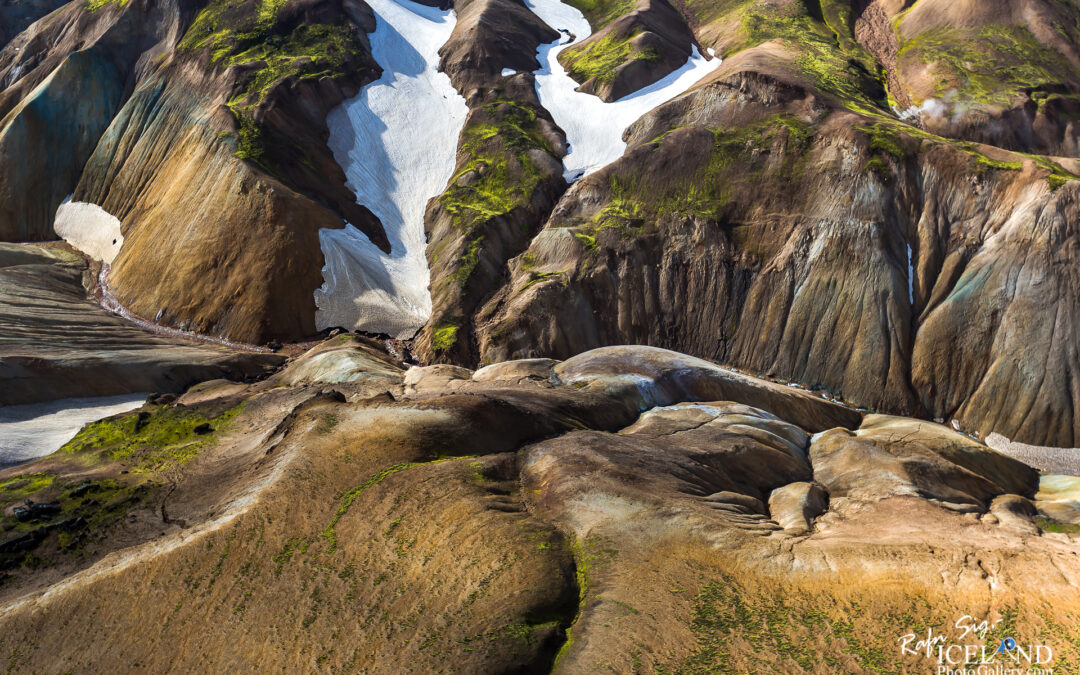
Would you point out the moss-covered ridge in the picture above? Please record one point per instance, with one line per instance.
(821, 44)
(732, 158)
(58, 508)
(601, 59)
(496, 176)
(602, 12)
(45, 518)
(152, 439)
(992, 64)
(721, 169)
(265, 48)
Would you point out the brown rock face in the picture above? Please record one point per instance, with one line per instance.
(202, 227)
(1005, 74)
(489, 36)
(508, 174)
(217, 165)
(837, 251)
(61, 82)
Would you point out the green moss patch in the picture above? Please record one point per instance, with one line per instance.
(835, 66)
(885, 140)
(1049, 525)
(738, 156)
(991, 65)
(602, 58)
(246, 33)
(496, 177)
(95, 5)
(443, 337)
(62, 516)
(149, 440)
(602, 12)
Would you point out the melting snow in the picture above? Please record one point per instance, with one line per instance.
(594, 128)
(910, 278)
(89, 228)
(38, 429)
(397, 141)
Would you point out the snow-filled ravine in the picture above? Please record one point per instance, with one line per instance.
(593, 127)
(397, 141)
(38, 429)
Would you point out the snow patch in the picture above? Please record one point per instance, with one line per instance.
(31, 431)
(506, 72)
(397, 142)
(1064, 461)
(910, 278)
(89, 228)
(594, 128)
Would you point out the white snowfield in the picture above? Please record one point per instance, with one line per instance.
(38, 429)
(397, 141)
(594, 128)
(89, 228)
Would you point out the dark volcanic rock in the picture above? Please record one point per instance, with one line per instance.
(491, 35)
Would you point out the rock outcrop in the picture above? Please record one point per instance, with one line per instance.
(530, 516)
(1006, 74)
(753, 223)
(508, 175)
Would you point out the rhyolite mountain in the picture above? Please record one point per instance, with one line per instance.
(876, 199)
(712, 404)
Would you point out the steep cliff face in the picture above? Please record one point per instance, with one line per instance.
(205, 134)
(780, 219)
(1004, 73)
(59, 122)
(891, 268)
(63, 80)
